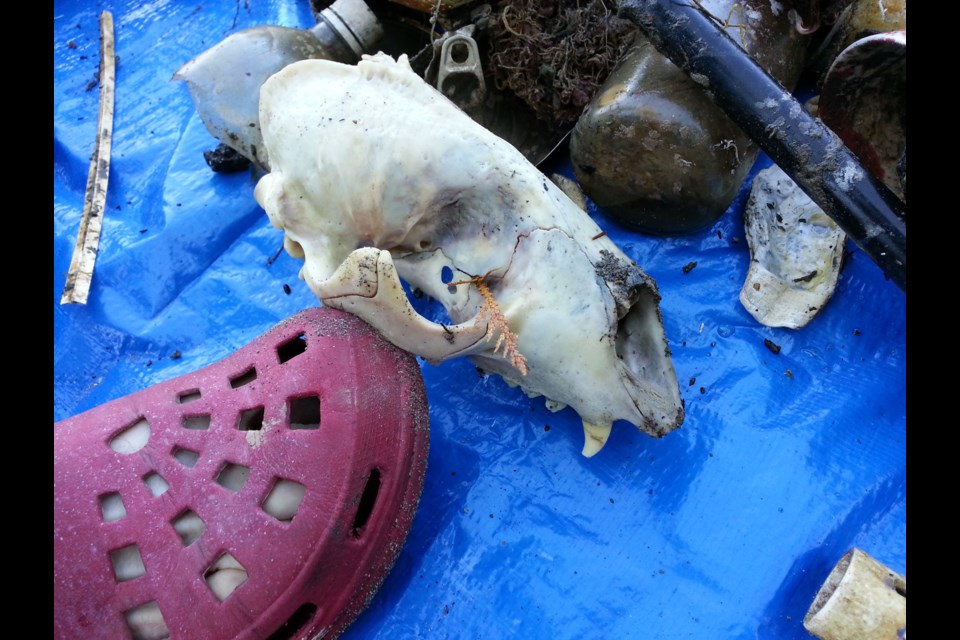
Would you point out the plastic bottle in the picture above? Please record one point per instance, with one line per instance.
(224, 81)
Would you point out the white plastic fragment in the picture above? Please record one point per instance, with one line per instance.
(795, 253)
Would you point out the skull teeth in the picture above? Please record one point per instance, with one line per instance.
(594, 437)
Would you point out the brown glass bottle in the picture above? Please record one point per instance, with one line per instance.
(653, 151)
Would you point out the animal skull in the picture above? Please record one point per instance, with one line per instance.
(376, 176)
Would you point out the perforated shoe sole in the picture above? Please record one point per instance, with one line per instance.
(264, 496)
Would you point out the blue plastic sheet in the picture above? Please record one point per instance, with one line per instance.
(725, 528)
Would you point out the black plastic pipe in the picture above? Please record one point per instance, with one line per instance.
(806, 149)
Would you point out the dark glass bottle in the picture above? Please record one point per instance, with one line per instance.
(652, 149)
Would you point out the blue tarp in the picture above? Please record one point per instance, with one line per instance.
(723, 529)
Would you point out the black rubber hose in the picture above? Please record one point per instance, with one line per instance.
(806, 149)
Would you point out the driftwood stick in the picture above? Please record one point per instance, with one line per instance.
(77, 287)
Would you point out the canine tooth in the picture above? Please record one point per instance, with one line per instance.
(594, 437)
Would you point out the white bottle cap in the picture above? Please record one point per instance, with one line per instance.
(356, 24)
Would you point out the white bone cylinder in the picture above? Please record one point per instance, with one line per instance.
(861, 599)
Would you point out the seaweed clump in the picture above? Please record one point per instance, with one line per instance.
(555, 54)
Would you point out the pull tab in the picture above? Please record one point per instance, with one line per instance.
(460, 75)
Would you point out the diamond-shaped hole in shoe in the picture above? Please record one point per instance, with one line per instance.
(250, 419)
(131, 438)
(146, 622)
(188, 396)
(241, 379)
(224, 576)
(304, 412)
(188, 526)
(199, 423)
(155, 482)
(186, 457)
(127, 563)
(283, 500)
(232, 476)
(111, 507)
(292, 348)
(297, 621)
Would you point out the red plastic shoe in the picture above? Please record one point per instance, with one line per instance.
(264, 496)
